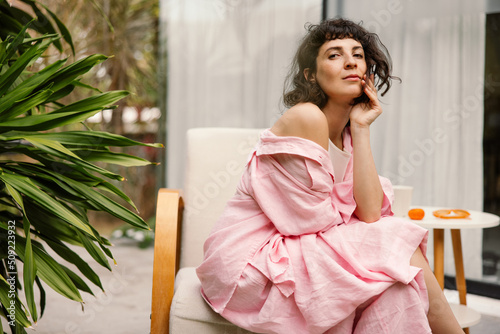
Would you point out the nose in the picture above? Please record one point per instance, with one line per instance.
(350, 62)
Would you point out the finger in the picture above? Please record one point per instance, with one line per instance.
(372, 94)
(370, 90)
(372, 82)
(368, 85)
(366, 82)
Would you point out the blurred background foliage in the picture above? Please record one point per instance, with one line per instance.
(127, 31)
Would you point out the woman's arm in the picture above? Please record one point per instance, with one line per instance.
(368, 192)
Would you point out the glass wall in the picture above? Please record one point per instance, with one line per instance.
(491, 148)
(383, 15)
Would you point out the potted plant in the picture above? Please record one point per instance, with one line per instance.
(49, 176)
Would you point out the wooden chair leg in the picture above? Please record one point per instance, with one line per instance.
(166, 262)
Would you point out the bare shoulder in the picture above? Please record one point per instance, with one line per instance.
(303, 120)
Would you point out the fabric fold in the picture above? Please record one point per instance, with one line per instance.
(280, 267)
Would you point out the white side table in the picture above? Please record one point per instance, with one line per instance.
(477, 219)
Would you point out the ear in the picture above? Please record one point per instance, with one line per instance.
(308, 75)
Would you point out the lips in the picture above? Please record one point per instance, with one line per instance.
(352, 77)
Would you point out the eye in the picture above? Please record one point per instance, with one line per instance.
(333, 55)
(359, 55)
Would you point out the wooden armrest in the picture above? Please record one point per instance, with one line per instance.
(169, 209)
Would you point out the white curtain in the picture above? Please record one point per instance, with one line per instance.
(227, 60)
(430, 134)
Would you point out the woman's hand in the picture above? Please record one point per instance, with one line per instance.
(363, 114)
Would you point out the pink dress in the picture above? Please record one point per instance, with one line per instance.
(289, 256)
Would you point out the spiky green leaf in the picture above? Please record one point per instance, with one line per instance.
(62, 28)
(50, 271)
(90, 139)
(69, 255)
(46, 121)
(110, 157)
(25, 186)
(27, 88)
(94, 251)
(43, 295)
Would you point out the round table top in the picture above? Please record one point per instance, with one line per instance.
(466, 316)
(477, 219)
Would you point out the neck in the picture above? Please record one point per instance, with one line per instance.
(337, 114)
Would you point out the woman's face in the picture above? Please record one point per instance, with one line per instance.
(340, 66)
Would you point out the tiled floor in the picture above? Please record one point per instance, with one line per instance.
(488, 325)
(489, 309)
(124, 308)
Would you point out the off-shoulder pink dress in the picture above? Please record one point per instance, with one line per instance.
(288, 255)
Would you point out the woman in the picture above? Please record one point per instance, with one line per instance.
(309, 244)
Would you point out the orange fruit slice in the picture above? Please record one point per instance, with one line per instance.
(451, 214)
(416, 214)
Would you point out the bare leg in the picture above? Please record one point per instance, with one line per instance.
(441, 318)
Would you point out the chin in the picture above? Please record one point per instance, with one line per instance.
(347, 94)
(357, 94)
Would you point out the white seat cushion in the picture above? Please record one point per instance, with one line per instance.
(190, 313)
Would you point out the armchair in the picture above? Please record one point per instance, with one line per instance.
(215, 161)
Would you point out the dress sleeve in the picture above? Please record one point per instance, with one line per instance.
(294, 192)
(388, 196)
(344, 199)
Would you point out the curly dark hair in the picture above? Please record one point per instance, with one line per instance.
(378, 61)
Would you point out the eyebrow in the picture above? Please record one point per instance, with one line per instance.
(340, 48)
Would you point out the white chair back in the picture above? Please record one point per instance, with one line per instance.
(215, 161)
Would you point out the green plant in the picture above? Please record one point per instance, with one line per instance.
(50, 178)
